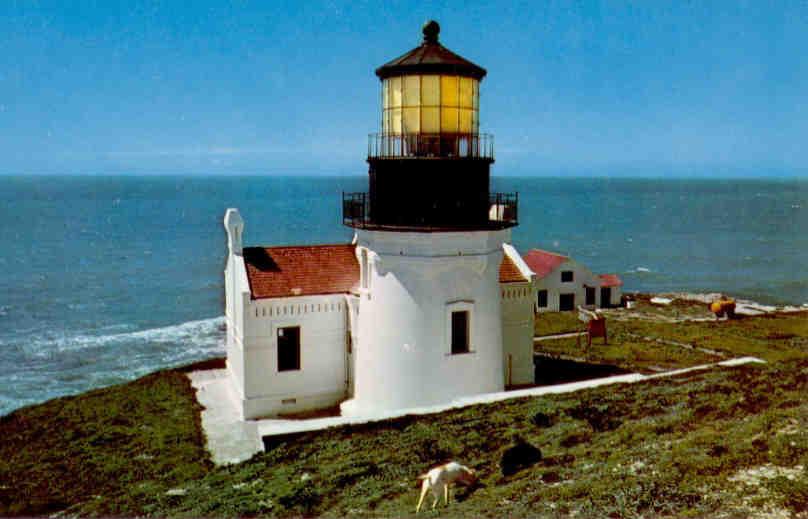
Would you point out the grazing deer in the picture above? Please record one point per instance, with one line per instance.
(440, 478)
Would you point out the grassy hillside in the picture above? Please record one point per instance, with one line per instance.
(638, 343)
(726, 442)
(109, 450)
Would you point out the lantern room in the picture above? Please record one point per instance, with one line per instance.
(429, 165)
(430, 103)
(430, 90)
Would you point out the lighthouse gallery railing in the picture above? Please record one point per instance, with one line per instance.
(503, 210)
(443, 145)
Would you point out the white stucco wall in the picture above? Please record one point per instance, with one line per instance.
(322, 379)
(518, 320)
(237, 295)
(402, 354)
(517, 332)
(259, 389)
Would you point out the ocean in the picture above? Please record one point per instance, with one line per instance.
(106, 278)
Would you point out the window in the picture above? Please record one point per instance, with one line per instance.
(289, 348)
(460, 332)
(541, 299)
(566, 276)
(590, 295)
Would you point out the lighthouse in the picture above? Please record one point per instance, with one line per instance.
(429, 237)
(429, 301)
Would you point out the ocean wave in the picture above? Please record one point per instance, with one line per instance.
(196, 337)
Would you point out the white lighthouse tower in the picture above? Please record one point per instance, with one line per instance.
(429, 240)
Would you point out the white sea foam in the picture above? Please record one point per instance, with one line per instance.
(200, 336)
(642, 269)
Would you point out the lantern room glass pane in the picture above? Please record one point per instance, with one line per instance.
(430, 90)
(412, 120)
(395, 120)
(430, 120)
(448, 90)
(395, 92)
(466, 93)
(475, 121)
(448, 119)
(465, 121)
(386, 94)
(475, 95)
(412, 90)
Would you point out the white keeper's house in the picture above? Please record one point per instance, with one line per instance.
(564, 284)
(428, 303)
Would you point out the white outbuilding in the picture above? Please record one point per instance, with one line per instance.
(299, 319)
(564, 284)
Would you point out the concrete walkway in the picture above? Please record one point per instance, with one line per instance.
(556, 336)
(231, 440)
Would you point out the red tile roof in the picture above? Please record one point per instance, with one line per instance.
(318, 269)
(610, 280)
(301, 270)
(542, 262)
(509, 272)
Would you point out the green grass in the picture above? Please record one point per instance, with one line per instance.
(551, 323)
(663, 447)
(109, 450)
(645, 345)
(669, 446)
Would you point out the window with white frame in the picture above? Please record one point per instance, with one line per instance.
(459, 337)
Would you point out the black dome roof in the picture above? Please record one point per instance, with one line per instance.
(430, 58)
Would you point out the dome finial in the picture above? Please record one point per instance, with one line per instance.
(431, 29)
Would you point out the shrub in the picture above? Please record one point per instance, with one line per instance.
(793, 493)
(541, 420)
(518, 456)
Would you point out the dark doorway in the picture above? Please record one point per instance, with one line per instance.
(289, 348)
(541, 299)
(605, 297)
(590, 296)
(566, 302)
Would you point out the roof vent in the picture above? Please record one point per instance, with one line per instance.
(431, 30)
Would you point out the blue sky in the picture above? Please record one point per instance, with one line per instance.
(589, 88)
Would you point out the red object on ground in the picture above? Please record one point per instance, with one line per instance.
(596, 328)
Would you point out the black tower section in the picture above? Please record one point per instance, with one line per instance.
(422, 181)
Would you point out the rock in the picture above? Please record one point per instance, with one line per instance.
(176, 491)
(541, 420)
(305, 477)
(518, 456)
